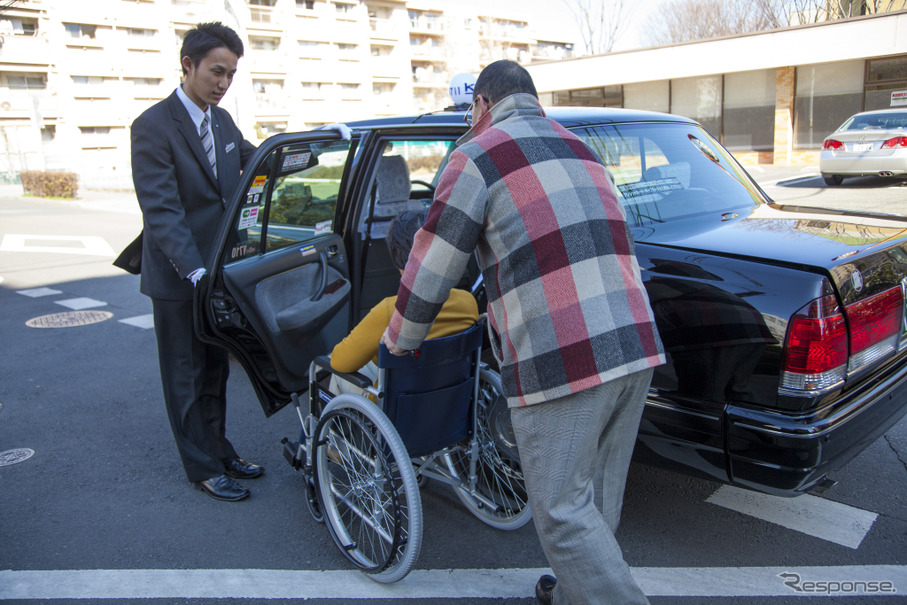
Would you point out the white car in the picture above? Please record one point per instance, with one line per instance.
(871, 143)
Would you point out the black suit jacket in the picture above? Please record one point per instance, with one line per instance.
(182, 201)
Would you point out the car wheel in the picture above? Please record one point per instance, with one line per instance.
(833, 180)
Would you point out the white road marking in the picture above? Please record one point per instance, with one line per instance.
(867, 580)
(141, 321)
(77, 304)
(86, 244)
(39, 292)
(817, 517)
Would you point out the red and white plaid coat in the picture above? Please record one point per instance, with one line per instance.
(566, 305)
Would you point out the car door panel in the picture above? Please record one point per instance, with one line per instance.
(279, 292)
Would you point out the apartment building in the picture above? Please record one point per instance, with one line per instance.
(73, 75)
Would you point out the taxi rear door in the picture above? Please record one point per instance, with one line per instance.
(277, 291)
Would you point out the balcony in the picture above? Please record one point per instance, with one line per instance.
(384, 29)
(24, 50)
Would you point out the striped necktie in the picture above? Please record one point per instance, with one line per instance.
(208, 142)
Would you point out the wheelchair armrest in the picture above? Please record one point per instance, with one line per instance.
(324, 362)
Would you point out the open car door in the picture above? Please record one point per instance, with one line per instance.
(277, 292)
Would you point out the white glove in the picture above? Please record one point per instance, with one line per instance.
(196, 275)
(342, 129)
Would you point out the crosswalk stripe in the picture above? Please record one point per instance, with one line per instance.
(868, 580)
(77, 304)
(818, 517)
(141, 321)
(38, 292)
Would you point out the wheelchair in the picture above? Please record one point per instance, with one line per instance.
(439, 413)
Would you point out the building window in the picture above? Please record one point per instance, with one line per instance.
(138, 32)
(826, 95)
(88, 80)
(345, 9)
(15, 26)
(262, 2)
(26, 81)
(699, 99)
(146, 81)
(383, 88)
(261, 43)
(48, 133)
(267, 129)
(306, 4)
(749, 111)
(79, 30)
(883, 76)
(94, 130)
(650, 96)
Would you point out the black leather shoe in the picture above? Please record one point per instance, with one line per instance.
(223, 487)
(543, 590)
(237, 468)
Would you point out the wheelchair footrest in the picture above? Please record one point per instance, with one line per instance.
(290, 448)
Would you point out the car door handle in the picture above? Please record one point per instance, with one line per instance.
(323, 262)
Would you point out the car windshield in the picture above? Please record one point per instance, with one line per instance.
(890, 120)
(666, 172)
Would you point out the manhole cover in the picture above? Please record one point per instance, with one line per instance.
(69, 319)
(13, 456)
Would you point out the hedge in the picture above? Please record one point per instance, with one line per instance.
(49, 184)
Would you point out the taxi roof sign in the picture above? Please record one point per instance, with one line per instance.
(461, 88)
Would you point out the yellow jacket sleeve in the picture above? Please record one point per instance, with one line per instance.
(361, 346)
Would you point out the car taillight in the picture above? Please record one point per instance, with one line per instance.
(895, 142)
(822, 347)
(815, 352)
(832, 144)
(875, 325)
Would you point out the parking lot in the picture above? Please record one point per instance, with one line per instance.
(98, 509)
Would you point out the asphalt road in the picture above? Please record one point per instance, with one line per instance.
(102, 513)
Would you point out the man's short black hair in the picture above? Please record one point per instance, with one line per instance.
(400, 235)
(204, 37)
(502, 79)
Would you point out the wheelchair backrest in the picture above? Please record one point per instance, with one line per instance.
(429, 395)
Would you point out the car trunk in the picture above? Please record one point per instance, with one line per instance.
(843, 312)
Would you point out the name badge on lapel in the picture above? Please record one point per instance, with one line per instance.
(229, 147)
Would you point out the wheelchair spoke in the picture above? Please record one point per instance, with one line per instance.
(365, 503)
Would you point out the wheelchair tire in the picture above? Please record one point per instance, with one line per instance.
(367, 489)
(499, 476)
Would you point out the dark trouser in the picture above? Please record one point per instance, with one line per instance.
(194, 377)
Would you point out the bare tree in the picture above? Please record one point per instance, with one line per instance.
(601, 22)
(685, 20)
(783, 13)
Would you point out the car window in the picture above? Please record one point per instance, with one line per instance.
(292, 198)
(405, 177)
(667, 172)
(895, 120)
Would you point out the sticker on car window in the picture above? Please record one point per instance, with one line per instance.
(248, 217)
(323, 227)
(296, 161)
(258, 185)
(661, 186)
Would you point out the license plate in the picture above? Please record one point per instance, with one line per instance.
(862, 146)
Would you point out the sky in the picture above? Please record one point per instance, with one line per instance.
(552, 17)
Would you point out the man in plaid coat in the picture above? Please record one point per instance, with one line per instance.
(569, 320)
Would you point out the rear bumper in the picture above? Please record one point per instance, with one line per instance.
(787, 455)
(862, 166)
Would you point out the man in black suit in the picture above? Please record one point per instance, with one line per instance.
(187, 155)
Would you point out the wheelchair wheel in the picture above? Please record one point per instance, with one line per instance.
(367, 489)
(500, 499)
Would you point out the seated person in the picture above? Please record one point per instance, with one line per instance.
(358, 352)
